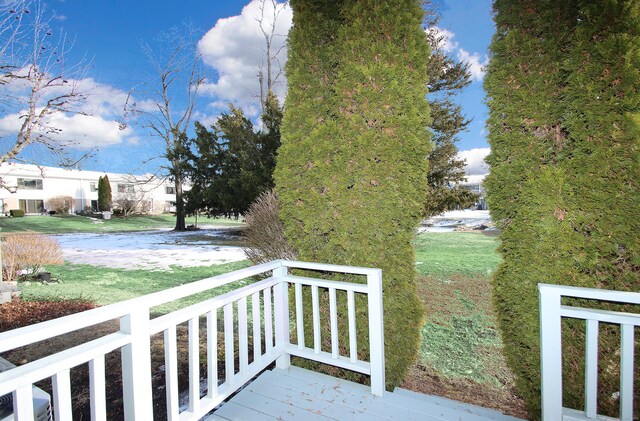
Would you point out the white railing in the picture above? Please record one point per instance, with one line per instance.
(551, 313)
(268, 327)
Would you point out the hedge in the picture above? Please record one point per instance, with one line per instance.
(351, 171)
(564, 182)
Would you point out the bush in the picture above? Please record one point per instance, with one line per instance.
(16, 213)
(60, 204)
(104, 194)
(28, 253)
(564, 184)
(351, 171)
(265, 231)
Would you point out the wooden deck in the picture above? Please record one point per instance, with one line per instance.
(298, 394)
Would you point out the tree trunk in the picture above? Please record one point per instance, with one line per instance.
(180, 212)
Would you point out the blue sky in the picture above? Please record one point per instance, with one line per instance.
(109, 33)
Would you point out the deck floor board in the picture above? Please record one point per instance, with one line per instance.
(298, 394)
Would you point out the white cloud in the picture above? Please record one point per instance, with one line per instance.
(80, 131)
(92, 120)
(445, 38)
(235, 48)
(476, 62)
(474, 158)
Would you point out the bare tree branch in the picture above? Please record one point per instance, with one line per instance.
(269, 33)
(37, 81)
(179, 76)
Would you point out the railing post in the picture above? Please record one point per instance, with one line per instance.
(136, 366)
(550, 352)
(376, 332)
(281, 304)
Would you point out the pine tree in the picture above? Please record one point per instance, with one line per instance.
(104, 194)
(234, 162)
(564, 184)
(447, 77)
(351, 172)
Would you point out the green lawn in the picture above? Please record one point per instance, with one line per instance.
(460, 253)
(106, 285)
(60, 224)
(460, 337)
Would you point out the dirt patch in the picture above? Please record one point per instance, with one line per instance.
(461, 355)
(503, 400)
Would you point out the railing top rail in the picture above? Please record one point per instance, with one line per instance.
(295, 264)
(49, 329)
(591, 293)
(327, 283)
(182, 315)
(600, 315)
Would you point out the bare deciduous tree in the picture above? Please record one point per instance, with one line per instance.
(136, 199)
(168, 113)
(268, 29)
(36, 82)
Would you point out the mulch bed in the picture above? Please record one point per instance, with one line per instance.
(20, 313)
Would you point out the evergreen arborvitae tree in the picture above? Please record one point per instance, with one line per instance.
(351, 171)
(564, 184)
(447, 77)
(104, 194)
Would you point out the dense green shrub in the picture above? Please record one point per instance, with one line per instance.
(564, 185)
(351, 171)
(105, 199)
(16, 213)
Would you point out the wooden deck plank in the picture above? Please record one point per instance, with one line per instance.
(432, 409)
(390, 405)
(298, 394)
(236, 412)
(325, 379)
(309, 401)
(270, 408)
(341, 406)
(340, 394)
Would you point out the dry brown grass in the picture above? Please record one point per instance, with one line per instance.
(28, 252)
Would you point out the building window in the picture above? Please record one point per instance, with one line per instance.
(125, 188)
(93, 186)
(170, 190)
(31, 205)
(94, 206)
(29, 184)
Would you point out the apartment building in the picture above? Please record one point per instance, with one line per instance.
(32, 187)
(474, 183)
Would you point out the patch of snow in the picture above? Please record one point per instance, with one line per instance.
(156, 250)
(460, 220)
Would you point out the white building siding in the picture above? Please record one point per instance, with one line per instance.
(77, 184)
